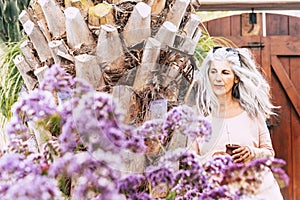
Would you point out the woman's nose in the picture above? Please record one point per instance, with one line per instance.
(218, 77)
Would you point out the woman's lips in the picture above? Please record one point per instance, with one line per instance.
(218, 86)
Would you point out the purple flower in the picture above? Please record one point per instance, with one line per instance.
(276, 162)
(191, 194)
(100, 124)
(57, 80)
(91, 176)
(132, 184)
(69, 137)
(218, 164)
(92, 119)
(82, 87)
(141, 196)
(183, 119)
(152, 129)
(16, 129)
(111, 196)
(14, 166)
(25, 172)
(157, 175)
(281, 176)
(191, 174)
(36, 105)
(33, 187)
(136, 145)
(216, 193)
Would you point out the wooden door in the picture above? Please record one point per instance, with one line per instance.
(285, 69)
(279, 56)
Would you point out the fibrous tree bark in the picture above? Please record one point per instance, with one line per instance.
(140, 52)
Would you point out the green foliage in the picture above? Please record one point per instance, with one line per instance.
(11, 81)
(10, 33)
(171, 196)
(10, 28)
(206, 42)
(53, 124)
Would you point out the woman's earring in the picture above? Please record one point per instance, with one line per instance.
(235, 91)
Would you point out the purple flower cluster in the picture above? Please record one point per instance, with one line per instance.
(19, 172)
(157, 175)
(132, 184)
(279, 174)
(190, 176)
(90, 176)
(32, 107)
(57, 80)
(14, 166)
(91, 142)
(69, 137)
(33, 187)
(100, 124)
(152, 130)
(183, 119)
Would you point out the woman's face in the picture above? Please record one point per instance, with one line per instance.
(221, 77)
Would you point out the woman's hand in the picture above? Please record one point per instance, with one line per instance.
(219, 153)
(241, 154)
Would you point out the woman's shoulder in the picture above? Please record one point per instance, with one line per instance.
(246, 118)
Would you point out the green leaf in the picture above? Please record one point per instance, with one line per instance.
(11, 81)
(171, 196)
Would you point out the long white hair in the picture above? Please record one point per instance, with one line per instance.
(252, 91)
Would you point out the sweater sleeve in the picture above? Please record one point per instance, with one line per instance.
(265, 148)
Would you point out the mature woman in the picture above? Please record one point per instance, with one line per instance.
(235, 96)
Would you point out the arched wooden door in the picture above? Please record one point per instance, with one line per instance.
(278, 52)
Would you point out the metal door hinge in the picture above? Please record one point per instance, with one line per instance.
(255, 45)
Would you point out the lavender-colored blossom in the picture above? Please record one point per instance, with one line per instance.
(281, 176)
(135, 142)
(91, 176)
(183, 119)
(69, 137)
(33, 187)
(37, 104)
(111, 196)
(31, 107)
(14, 166)
(216, 193)
(141, 196)
(18, 145)
(259, 163)
(157, 175)
(57, 80)
(131, 184)
(276, 162)
(152, 129)
(16, 129)
(100, 124)
(191, 174)
(82, 87)
(218, 163)
(21, 177)
(192, 194)
(232, 173)
(93, 118)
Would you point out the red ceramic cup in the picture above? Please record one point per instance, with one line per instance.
(231, 147)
